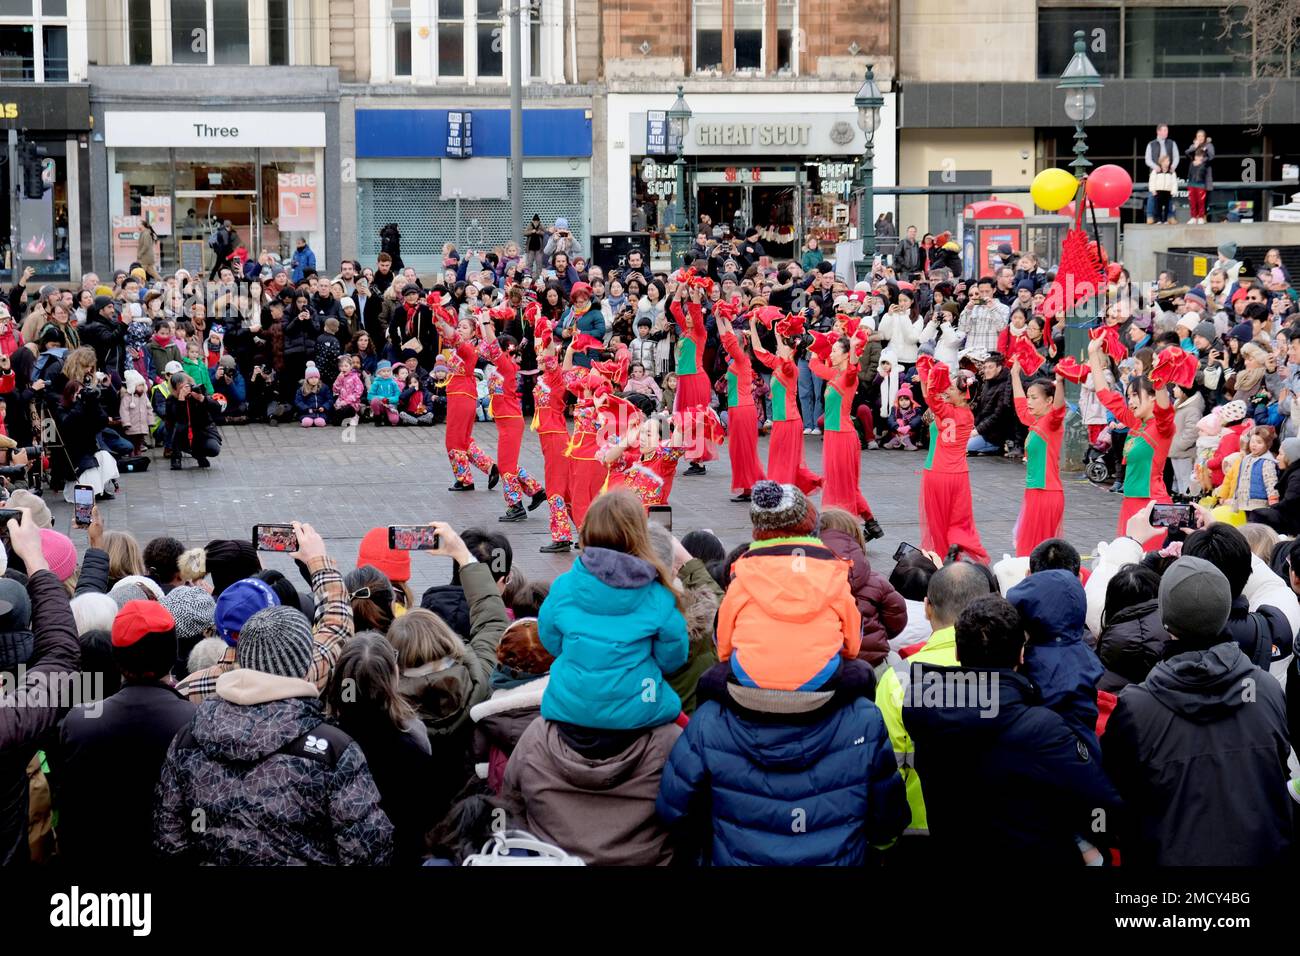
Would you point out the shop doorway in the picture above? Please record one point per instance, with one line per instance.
(773, 203)
(211, 207)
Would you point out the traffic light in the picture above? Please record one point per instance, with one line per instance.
(33, 185)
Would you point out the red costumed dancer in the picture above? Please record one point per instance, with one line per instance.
(553, 432)
(693, 391)
(1040, 408)
(462, 399)
(509, 417)
(841, 450)
(947, 516)
(742, 415)
(785, 463)
(1149, 417)
(592, 388)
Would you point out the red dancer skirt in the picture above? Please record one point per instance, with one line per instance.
(785, 458)
(460, 422)
(1131, 507)
(842, 464)
(947, 517)
(1041, 516)
(694, 395)
(742, 446)
(555, 464)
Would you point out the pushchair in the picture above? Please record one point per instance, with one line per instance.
(1102, 460)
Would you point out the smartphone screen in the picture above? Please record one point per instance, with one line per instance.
(662, 514)
(904, 549)
(412, 537)
(275, 537)
(83, 502)
(1173, 516)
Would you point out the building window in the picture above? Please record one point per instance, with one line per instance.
(785, 46)
(748, 35)
(708, 36)
(1146, 41)
(745, 36)
(139, 30)
(534, 32)
(1056, 26)
(401, 16)
(209, 32)
(34, 43)
(451, 37)
(491, 38)
(1166, 42)
(277, 30)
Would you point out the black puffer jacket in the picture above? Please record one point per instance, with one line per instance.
(1130, 645)
(995, 415)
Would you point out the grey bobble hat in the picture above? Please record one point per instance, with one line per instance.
(777, 510)
(276, 640)
(194, 611)
(1195, 601)
(1291, 448)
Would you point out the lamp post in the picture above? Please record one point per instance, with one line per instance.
(679, 122)
(869, 102)
(1080, 81)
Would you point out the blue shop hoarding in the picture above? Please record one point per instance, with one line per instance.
(416, 132)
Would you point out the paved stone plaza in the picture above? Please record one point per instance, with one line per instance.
(400, 475)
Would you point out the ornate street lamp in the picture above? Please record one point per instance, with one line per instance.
(1080, 81)
(869, 103)
(679, 124)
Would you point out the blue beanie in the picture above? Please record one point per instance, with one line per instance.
(238, 603)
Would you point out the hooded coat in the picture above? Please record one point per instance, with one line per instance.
(1201, 765)
(443, 692)
(750, 756)
(253, 763)
(615, 631)
(1006, 776)
(599, 807)
(1131, 643)
(1053, 609)
(765, 598)
(883, 610)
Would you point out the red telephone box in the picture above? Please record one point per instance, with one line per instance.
(986, 225)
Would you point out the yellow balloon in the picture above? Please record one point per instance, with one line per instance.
(1054, 189)
(1229, 515)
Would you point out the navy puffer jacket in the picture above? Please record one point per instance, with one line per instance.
(789, 789)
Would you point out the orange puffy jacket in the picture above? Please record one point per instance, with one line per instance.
(788, 615)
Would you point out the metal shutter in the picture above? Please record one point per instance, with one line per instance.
(427, 222)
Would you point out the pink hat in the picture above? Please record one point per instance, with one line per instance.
(60, 553)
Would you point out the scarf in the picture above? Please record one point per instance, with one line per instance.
(503, 677)
(616, 303)
(411, 313)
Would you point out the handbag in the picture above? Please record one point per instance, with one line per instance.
(414, 344)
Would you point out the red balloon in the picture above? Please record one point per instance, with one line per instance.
(1109, 186)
